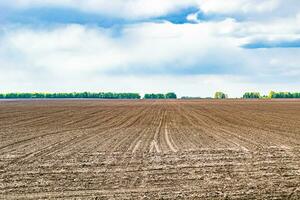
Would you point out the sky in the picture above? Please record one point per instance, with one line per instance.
(191, 47)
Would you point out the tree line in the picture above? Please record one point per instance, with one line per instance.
(111, 95)
(257, 95)
(272, 95)
(170, 95)
(100, 95)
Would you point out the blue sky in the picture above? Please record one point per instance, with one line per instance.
(192, 47)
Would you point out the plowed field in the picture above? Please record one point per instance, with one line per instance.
(111, 149)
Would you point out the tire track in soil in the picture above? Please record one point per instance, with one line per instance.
(150, 131)
(136, 146)
(141, 138)
(154, 148)
(169, 140)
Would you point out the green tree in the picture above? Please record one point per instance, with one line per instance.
(271, 94)
(251, 95)
(220, 95)
(154, 96)
(171, 95)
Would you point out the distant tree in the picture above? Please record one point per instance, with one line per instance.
(102, 95)
(220, 95)
(271, 94)
(171, 95)
(296, 95)
(160, 96)
(251, 95)
(154, 96)
(11, 95)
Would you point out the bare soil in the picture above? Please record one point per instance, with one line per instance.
(168, 149)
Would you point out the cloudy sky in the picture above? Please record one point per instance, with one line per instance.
(191, 47)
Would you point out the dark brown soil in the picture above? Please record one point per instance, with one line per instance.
(176, 149)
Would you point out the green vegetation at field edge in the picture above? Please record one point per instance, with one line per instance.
(170, 95)
(100, 95)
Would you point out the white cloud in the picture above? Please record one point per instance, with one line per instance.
(153, 56)
(193, 17)
(116, 8)
(238, 6)
(146, 8)
(141, 47)
(78, 57)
